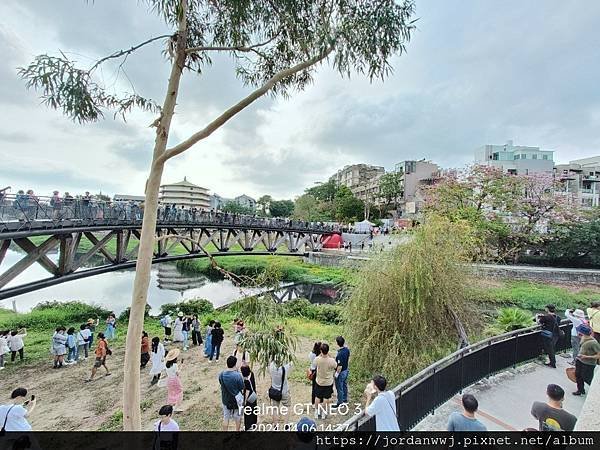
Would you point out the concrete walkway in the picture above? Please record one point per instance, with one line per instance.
(505, 399)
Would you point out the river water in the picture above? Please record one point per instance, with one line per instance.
(113, 290)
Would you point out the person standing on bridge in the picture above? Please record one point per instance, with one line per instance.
(551, 415)
(589, 354)
(381, 404)
(594, 315)
(577, 317)
(467, 420)
(550, 333)
(56, 204)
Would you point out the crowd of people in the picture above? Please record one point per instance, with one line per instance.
(327, 372)
(26, 206)
(585, 332)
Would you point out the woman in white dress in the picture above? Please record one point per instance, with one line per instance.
(157, 357)
(178, 328)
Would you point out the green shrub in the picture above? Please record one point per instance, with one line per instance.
(298, 307)
(50, 315)
(328, 313)
(189, 307)
(301, 307)
(510, 319)
(124, 316)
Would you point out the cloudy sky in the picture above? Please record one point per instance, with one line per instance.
(476, 72)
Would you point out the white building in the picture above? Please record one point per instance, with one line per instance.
(516, 159)
(580, 179)
(128, 198)
(245, 201)
(217, 202)
(184, 194)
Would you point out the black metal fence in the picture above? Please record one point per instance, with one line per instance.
(421, 394)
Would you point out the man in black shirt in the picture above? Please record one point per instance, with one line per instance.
(550, 333)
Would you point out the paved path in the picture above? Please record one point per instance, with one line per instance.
(505, 399)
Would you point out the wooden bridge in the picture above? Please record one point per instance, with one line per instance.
(70, 249)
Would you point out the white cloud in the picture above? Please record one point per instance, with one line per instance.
(476, 72)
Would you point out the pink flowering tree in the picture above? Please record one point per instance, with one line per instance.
(509, 213)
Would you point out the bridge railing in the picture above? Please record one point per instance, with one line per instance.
(28, 211)
(421, 394)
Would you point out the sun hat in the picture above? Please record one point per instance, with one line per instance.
(90, 321)
(584, 329)
(180, 313)
(173, 354)
(579, 313)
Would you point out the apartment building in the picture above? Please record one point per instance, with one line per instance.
(357, 174)
(245, 201)
(516, 159)
(580, 179)
(415, 175)
(186, 194)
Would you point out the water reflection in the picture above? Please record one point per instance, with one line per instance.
(167, 285)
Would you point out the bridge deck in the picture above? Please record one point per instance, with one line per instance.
(505, 399)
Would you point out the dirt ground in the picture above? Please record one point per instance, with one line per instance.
(66, 402)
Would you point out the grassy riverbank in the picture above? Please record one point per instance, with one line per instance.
(532, 295)
(292, 269)
(65, 402)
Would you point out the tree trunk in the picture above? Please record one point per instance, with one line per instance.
(131, 384)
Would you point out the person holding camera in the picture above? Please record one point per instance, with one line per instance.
(550, 333)
(14, 414)
(381, 404)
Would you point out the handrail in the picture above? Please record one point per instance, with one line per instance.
(358, 419)
(27, 213)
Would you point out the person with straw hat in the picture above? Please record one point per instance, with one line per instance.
(174, 386)
(91, 325)
(577, 317)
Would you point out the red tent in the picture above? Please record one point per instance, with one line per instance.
(332, 241)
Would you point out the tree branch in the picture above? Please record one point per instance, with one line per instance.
(120, 53)
(219, 121)
(239, 48)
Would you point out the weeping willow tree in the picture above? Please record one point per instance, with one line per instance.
(268, 337)
(400, 316)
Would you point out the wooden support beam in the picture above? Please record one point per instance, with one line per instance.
(66, 254)
(42, 259)
(34, 254)
(98, 246)
(3, 248)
